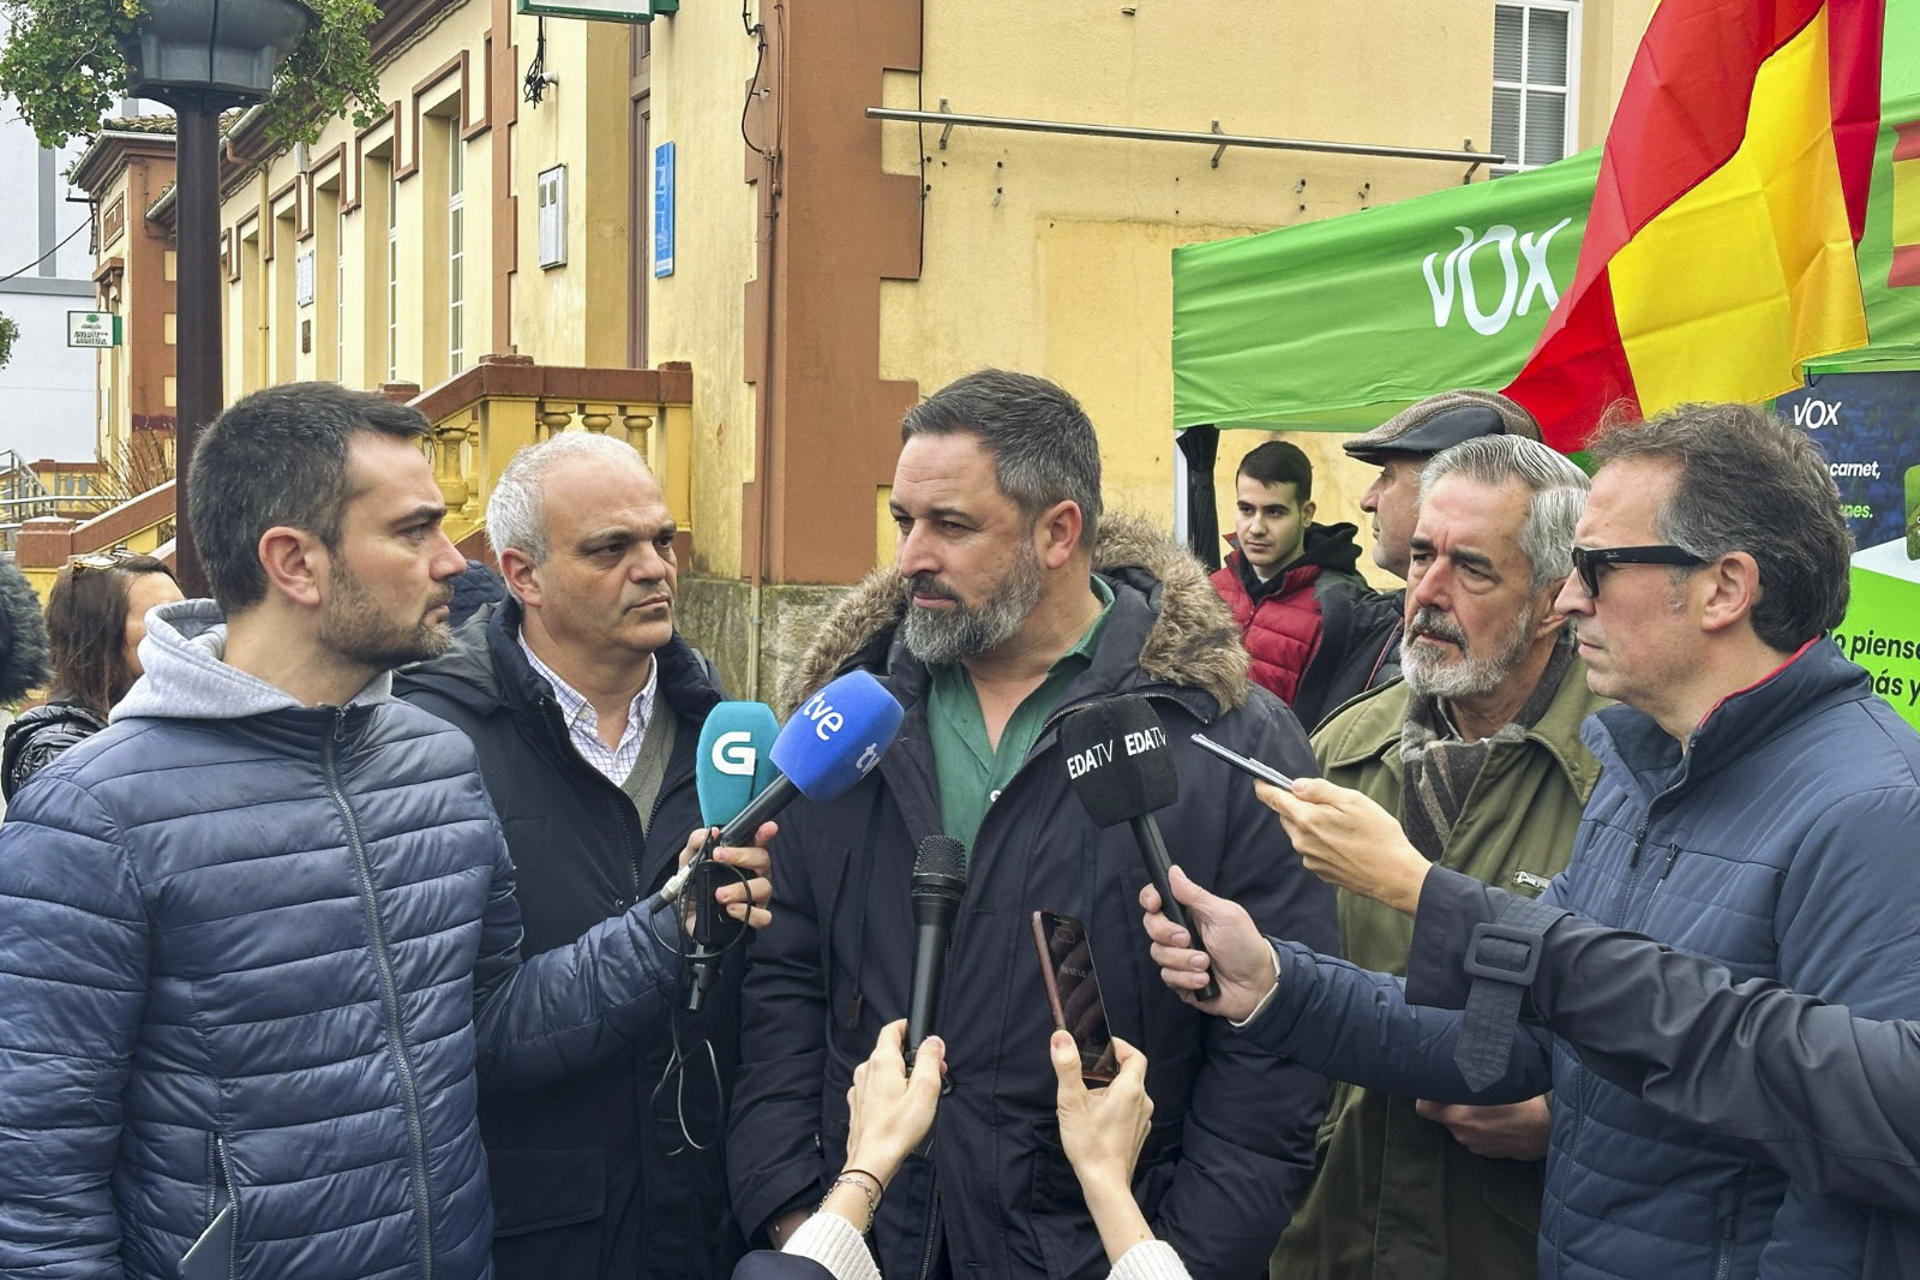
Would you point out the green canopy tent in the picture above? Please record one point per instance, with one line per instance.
(1335, 325)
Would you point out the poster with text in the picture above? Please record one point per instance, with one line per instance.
(1868, 424)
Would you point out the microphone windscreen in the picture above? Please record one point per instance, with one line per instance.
(837, 735)
(941, 856)
(735, 759)
(1118, 759)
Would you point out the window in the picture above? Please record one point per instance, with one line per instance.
(340, 284)
(393, 270)
(456, 247)
(1536, 60)
(552, 204)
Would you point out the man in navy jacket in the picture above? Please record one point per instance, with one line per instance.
(1756, 807)
(585, 707)
(260, 946)
(1015, 599)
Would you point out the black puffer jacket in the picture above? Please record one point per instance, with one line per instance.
(588, 1179)
(37, 737)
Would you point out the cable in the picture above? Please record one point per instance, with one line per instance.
(49, 253)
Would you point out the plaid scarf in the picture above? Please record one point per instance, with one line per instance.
(1438, 768)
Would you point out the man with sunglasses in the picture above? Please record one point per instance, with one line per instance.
(1757, 806)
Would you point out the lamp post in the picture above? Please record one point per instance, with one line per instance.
(201, 57)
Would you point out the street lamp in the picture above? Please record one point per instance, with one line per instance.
(201, 57)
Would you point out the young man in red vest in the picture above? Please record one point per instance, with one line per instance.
(1291, 583)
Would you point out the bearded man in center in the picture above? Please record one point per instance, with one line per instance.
(1014, 600)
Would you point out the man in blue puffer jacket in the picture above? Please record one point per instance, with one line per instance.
(1757, 807)
(259, 948)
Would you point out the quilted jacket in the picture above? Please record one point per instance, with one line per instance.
(1779, 843)
(267, 954)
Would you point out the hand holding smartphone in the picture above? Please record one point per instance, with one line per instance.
(1246, 764)
(1073, 991)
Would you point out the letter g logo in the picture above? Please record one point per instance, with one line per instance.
(732, 753)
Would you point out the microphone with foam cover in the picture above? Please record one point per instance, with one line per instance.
(831, 742)
(735, 759)
(1122, 769)
(939, 882)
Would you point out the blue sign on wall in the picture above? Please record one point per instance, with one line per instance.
(663, 209)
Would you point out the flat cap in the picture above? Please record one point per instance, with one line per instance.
(1440, 422)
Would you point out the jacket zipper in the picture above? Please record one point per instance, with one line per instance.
(233, 1199)
(389, 995)
(933, 1228)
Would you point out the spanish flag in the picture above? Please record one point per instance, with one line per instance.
(1719, 254)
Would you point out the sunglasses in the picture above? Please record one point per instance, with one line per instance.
(1589, 561)
(99, 560)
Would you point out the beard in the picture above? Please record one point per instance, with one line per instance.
(944, 636)
(1432, 674)
(353, 626)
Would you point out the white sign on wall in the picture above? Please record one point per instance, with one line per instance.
(93, 329)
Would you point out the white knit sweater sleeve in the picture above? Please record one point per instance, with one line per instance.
(832, 1241)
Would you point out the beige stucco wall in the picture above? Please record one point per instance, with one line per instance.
(701, 63)
(263, 319)
(1051, 253)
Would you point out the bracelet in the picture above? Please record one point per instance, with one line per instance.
(869, 1186)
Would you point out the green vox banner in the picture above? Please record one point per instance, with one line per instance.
(1868, 425)
(1334, 325)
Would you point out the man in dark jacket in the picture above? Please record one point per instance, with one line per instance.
(262, 946)
(1290, 582)
(1831, 1098)
(1756, 806)
(585, 708)
(1401, 447)
(1012, 601)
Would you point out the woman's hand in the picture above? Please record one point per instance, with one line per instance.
(1102, 1132)
(890, 1111)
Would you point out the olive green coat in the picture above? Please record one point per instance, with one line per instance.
(1396, 1198)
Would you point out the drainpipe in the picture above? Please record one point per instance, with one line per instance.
(763, 422)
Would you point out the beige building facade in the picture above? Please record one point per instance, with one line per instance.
(488, 244)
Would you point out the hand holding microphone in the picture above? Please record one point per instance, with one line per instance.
(1122, 770)
(830, 743)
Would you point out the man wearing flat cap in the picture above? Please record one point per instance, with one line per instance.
(1401, 447)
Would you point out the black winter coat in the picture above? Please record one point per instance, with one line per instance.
(588, 1179)
(1231, 1145)
(1832, 1099)
(39, 735)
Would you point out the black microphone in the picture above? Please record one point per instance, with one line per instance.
(1122, 770)
(939, 880)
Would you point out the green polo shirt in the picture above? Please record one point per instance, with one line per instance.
(970, 773)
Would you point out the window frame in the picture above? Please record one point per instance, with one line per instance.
(1570, 117)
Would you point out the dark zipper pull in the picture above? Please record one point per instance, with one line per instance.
(340, 725)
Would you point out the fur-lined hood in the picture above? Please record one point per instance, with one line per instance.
(1192, 641)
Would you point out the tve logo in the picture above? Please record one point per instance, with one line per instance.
(1525, 276)
(818, 712)
(733, 753)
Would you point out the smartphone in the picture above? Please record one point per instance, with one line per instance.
(1245, 764)
(1073, 990)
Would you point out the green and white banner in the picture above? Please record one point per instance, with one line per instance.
(1335, 325)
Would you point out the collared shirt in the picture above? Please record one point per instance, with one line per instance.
(583, 723)
(970, 772)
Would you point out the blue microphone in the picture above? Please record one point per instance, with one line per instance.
(830, 743)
